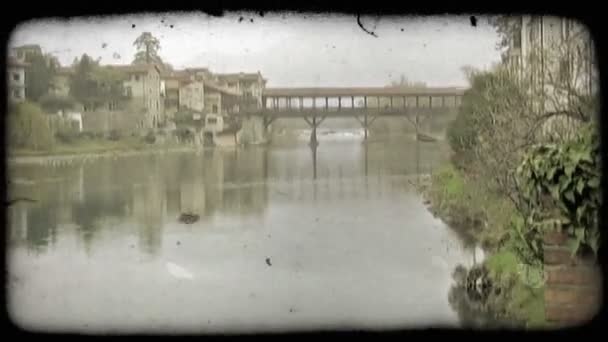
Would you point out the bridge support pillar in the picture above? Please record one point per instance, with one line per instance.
(313, 133)
(365, 127)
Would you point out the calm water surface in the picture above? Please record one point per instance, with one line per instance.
(349, 242)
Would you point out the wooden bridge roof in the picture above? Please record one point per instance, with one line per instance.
(367, 91)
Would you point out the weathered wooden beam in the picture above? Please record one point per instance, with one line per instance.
(408, 119)
(320, 121)
(268, 121)
(360, 121)
(372, 120)
(307, 121)
(365, 126)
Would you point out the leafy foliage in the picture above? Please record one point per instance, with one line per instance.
(94, 85)
(147, 49)
(28, 127)
(561, 184)
(53, 103)
(39, 75)
(150, 137)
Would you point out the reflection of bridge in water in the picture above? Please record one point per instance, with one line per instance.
(314, 105)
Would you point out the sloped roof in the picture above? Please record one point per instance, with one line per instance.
(176, 75)
(240, 76)
(217, 87)
(134, 68)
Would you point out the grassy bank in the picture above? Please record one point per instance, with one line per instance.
(485, 219)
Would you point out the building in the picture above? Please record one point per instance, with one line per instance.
(22, 52)
(555, 56)
(200, 93)
(542, 40)
(16, 79)
(171, 81)
(142, 86)
(250, 85)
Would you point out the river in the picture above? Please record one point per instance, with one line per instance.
(288, 240)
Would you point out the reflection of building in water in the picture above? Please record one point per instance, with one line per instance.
(214, 180)
(192, 190)
(149, 211)
(173, 198)
(247, 194)
(17, 214)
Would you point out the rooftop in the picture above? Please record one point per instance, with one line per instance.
(240, 76)
(368, 91)
(134, 68)
(217, 87)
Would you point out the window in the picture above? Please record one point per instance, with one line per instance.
(16, 94)
(16, 77)
(212, 121)
(128, 91)
(214, 109)
(136, 78)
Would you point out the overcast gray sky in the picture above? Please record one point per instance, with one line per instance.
(289, 50)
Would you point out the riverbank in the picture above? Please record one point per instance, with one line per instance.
(485, 219)
(94, 148)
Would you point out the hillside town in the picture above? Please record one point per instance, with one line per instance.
(146, 98)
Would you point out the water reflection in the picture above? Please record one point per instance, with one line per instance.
(152, 189)
(333, 219)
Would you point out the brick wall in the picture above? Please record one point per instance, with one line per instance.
(573, 285)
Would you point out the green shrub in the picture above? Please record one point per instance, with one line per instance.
(53, 103)
(183, 134)
(87, 135)
(67, 136)
(150, 138)
(28, 127)
(115, 135)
